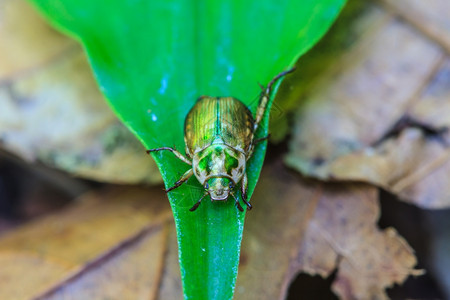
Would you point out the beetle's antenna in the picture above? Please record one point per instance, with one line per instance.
(198, 202)
(263, 88)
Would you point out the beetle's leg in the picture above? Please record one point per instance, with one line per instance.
(236, 202)
(265, 96)
(174, 151)
(198, 202)
(256, 141)
(244, 191)
(182, 180)
(252, 146)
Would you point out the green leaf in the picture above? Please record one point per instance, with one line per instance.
(153, 59)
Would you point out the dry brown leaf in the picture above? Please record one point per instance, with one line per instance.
(115, 242)
(299, 225)
(432, 16)
(111, 242)
(171, 287)
(343, 235)
(357, 20)
(345, 129)
(26, 41)
(283, 205)
(52, 109)
(307, 226)
(132, 273)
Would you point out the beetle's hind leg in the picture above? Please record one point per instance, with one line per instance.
(182, 180)
(252, 146)
(265, 97)
(259, 140)
(174, 151)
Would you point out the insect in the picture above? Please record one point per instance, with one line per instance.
(219, 133)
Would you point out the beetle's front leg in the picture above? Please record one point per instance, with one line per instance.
(244, 191)
(174, 151)
(236, 202)
(182, 180)
(198, 202)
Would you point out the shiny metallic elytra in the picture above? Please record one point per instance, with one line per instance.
(219, 133)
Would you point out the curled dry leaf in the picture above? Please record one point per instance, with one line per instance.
(380, 115)
(342, 234)
(51, 108)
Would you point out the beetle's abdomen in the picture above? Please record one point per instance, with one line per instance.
(224, 117)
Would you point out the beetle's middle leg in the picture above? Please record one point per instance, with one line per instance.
(174, 151)
(256, 141)
(252, 146)
(182, 180)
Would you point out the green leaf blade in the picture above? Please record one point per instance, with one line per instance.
(153, 59)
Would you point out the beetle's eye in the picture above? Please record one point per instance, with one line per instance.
(206, 186)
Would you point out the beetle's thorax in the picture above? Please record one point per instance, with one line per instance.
(218, 160)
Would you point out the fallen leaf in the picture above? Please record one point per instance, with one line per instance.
(122, 241)
(343, 235)
(283, 205)
(52, 110)
(357, 20)
(22, 30)
(300, 225)
(109, 242)
(133, 272)
(428, 185)
(432, 17)
(171, 287)
(346, 130)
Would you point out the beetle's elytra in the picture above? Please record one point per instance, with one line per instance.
(219, 133)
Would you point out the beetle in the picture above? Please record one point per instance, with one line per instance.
(219, 134)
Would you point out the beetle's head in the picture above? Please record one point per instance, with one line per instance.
(219, 188)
